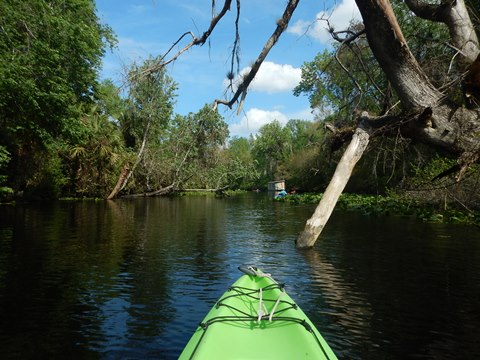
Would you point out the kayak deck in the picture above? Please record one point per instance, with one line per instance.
(256, 319)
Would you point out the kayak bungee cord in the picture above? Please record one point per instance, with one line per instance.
(250, 293)
(261, 306)
(256, 307)
(276, 304)
(262, 315)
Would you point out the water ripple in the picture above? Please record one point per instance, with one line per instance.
(132, 279)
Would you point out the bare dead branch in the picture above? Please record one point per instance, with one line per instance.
(347, 40)
(178, 53)
(428, 11)
(365, 69)
(282, 24)
(195, 41)
(357, 85)
(235, 50)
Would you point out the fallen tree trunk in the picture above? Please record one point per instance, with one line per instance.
(162, 191)
(218, 192)
(122, 180)
(342, 174)
(199, 190)
(207, 190)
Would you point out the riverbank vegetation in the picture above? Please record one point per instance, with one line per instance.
(67, 133)
(393, 204)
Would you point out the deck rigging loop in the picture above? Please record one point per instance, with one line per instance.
(254, 271)
(257, 302)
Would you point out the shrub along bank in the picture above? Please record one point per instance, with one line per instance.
(392, 205)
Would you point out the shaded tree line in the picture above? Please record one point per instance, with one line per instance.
(65, 133)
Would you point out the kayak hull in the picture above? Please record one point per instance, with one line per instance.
(256, 319)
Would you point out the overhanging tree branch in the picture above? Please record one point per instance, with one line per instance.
(164, 60)
(455, 15)
(427, 114)
(242, 88)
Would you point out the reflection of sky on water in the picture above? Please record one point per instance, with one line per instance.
(132, 279)
(114, 326)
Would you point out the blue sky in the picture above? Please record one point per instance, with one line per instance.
(149, 28)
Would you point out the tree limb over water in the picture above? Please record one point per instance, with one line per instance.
(436, 120)
(428, 115)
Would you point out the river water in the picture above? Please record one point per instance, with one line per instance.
(131, 279)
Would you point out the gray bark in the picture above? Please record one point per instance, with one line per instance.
(449, 126)
(428, 115)
(455, 15)
(342, 174)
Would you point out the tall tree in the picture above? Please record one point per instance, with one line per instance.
(148, 112)
(50, 54)
(197, 140)
(271, 148)
(240, 158)
(428, 114)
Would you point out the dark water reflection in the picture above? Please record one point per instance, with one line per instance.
(131, 279)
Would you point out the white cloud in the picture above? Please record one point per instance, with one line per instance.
(339, 17)
(272, 78)
(300, 27)
(254, 119)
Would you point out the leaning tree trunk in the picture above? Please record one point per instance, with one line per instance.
(342, 174)
(127, 172)
(121, 182)
(428, 115)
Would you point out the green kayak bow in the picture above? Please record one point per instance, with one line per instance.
(256, 319)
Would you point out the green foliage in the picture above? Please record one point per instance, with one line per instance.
(209, 131)
(149, 106)
(240, 148)
(4, 160)
(187, 151)
(309, 166)
(431, 184)
(195, 144)
(108, 100)
(48, 179)
(303, 134)
(390, 205)
(211, 164)
(332, 90)
(271, 148)
(244, 171)
(50, 53)
(430, 169)
(94, 162)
